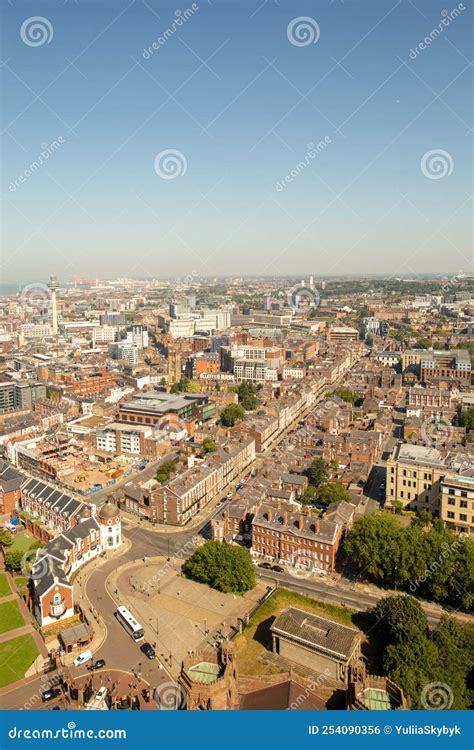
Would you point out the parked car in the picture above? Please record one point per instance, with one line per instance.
(83, 658)
(278, 569)
(101, 693)
(229, 495)
(48, 695)
(239, 486)
(265, 566)
(148, 650)
(96, 665)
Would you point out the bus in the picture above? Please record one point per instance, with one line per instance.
(128, 621)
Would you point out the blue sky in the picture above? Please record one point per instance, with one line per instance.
(240, 102)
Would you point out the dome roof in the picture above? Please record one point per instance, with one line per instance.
(85, 513)
(108, 510)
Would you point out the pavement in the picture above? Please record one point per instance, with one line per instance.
(178, 615)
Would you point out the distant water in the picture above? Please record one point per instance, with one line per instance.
(11, 288)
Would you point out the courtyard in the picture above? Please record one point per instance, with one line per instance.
(179, 615)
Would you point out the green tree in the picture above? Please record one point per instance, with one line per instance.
(231, 414)
(466, 418)
(346, 395)
(423, 343)
(222, 566)
(332, 492)
(208, 446)
(373, 545)
(412, 664)
(247, 395)
(309, 496)
(399, 618)
(6, 538)
(13, 560)
(318, 472)
(414, 657)
(165, 471)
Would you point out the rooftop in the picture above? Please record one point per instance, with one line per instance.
(317, 632)
(205, 672)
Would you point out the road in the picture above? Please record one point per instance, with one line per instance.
(375, 488)
(345, 595)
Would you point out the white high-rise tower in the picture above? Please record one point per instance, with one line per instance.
(52, 286)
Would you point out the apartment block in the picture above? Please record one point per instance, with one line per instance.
(414, 475)
(283, 534)
(457, 502)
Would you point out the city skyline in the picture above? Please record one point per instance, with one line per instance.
(292, 154)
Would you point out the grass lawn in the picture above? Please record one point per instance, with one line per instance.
(20, 583)
(16, 656)
(21, 543)
(10, 617)
(256, 638)
(4, 586)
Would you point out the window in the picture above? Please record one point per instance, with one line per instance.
(463, 517)
(450, 514)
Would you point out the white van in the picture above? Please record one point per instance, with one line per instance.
(83, 658)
